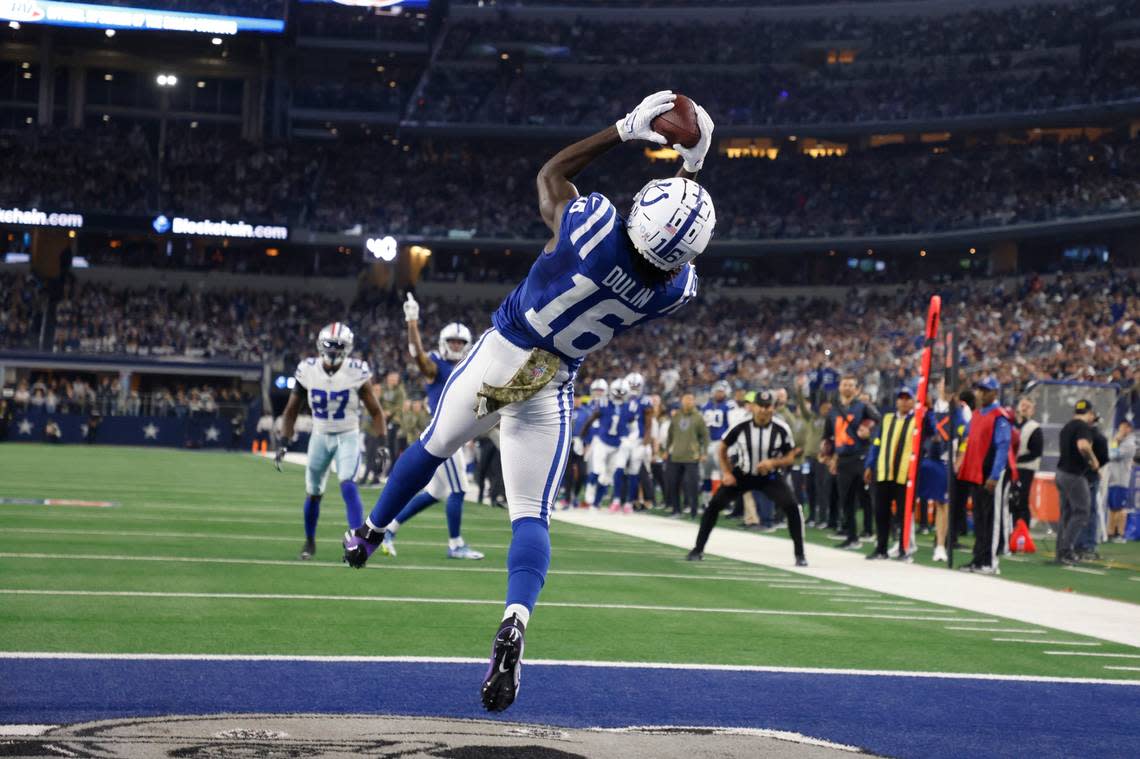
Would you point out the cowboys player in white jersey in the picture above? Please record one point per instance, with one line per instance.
(335, 386)
(599, 275)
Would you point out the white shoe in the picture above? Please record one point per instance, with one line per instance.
(939, 553)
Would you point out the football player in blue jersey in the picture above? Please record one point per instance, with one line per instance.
(599, 394)
(613, 420)
(637, 445)
(715, 412)
(599, 275)
(336, 387)
(450, 479)
(575, 477)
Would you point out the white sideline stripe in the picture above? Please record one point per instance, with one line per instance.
(841, 599)
(1013, 602)
(24, 731)
(1126, 669)
(782, 735)
(689, 666)
(1085, 571)
(467, 602)
(999, 630)
(276, 539)
(1045, 642)
(872, 607)
(383, 564)
(1091, 653)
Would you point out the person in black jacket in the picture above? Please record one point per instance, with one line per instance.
(849, 431)
(754, 456)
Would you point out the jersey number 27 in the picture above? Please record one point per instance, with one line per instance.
(319, 400)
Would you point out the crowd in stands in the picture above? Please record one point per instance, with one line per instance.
(1065, 327)
(103, 395)
(486, 188)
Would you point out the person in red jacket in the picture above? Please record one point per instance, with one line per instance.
(986, 459)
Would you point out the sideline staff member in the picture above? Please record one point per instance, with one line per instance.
(1077, 460)
(761, 449)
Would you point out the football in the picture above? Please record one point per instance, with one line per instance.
(679, 124)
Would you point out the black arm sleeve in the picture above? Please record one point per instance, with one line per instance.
(730, 437)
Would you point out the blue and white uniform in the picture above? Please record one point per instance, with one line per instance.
(451, 476)
(335, 402)
(575, 299)
(716, 415)
(634, 451)
(605, 448)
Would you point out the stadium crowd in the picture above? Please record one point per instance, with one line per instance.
(103, 395)
(1066, 327)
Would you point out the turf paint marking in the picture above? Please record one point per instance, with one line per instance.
(1091, 653)
(56, 502)
(276, 539)
(998, 630)
(1045, 642)
(1086, 571)
(1124, 669)
(469, 602)
(24, 731)
(594, 664)
(384, 564)
(849, 600)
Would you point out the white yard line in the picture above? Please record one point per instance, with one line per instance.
(841, 599)
(69, 655)
(384, 564)
(1047, 642)
(1079, 614)
(1124, 669)
(1083, 570)
(998, 630)
(1091, 653)
(278, 539)
(466, 602)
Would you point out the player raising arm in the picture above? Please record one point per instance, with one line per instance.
(335, 387)
(599, 275)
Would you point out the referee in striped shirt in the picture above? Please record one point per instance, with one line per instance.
(753, 456)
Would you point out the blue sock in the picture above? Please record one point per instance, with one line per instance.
(619, 484)
(410, 475)
(312, 512)
(454, 514)
(527, 561)
(415, 506)
(600, 496)
(633, 481)
(353, 508)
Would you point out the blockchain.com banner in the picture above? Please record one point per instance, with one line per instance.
(152, 15)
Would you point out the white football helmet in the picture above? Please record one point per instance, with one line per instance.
(454, 331)
(619, 390)
(721, 387)
(635, 382)
(334, 343)
(671, 221)
(599, 388)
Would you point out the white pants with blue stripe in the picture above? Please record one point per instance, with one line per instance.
(324, 448)
(534, 435)
(450, 477)
(604, 460)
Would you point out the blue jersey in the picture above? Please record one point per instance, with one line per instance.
(577, 297)
(581, 414)
(635, 411)
(715, 414)
(613, 422)
(443, 369)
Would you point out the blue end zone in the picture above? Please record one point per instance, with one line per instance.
(894, 716)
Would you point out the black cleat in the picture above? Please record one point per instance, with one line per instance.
(309, 549)
(801, 561)
(359, 544)
(695, 555)
(501, 683)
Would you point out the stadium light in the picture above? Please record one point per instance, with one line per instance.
(166, 80)
(216, 41)
(14, 25)
(382, 248)
(109, 32)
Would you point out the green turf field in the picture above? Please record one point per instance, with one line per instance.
(199, 556)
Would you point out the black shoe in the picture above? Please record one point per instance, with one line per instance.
(1067, 559)
(695, 555)
(359, 544)
(309, 549)
(1088, 556)
(501, 683)
(877, 555)
(867, 534)
(851, 544)
(801, 561)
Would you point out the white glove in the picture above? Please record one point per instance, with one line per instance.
(636, 124)
(695, 156)
(411, 309)
(579, 448)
